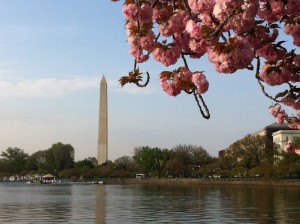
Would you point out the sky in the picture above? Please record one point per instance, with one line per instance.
(52, 57)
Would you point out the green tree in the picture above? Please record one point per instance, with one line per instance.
(151, 159)
(5, 167)
(258, 149)
(252, 151)
(161, 157)
(228, 161)
(186, 160)
(124, 163)
(37, 161)
(289, 165)
(143, 157)
(60, 156)
(15, 159)
(181, 161)
(200, 156)
(93, 160)
(84, 163)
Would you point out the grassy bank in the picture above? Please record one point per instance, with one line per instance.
(186, 181)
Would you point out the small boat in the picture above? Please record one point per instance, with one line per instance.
(98, 182)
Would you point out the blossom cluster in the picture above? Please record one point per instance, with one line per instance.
(183, 79)
(234, 34)
(282, 116)
(292, 147)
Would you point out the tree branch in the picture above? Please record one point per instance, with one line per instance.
(187, 8)
(153, 5)
(207, 115)
(216, 32)
(260, 81)
(146, 83)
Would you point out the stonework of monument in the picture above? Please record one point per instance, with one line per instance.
(103, 124)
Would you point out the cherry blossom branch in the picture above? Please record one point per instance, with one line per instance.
(260, 83)
(216, 32)
(182, 55)
(137, 2)
(187, 8)
(184, 60)
(153, 5)
(146, 83)
(148, 77)
(135, 77)
(207, 115)
(198, 32)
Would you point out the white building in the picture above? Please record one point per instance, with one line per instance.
(283, 137)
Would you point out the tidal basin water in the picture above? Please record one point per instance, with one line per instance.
(21, 203)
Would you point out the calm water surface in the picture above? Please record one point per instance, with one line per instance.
(147, 204)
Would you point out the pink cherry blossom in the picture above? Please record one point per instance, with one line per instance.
(293, 29)
(167, 56)
(169, 87)
(201, 6)
(193, 29)
(294, 123)
(235, 34)
(259, 37)
(265, 12)
(295, 104)
(238, 56)
(200, 82)
(293, 7)
(176, 24)
(277, 112)
(137, 53)
(142, 13)
(271, 77)
(291, 147)
(270, 52)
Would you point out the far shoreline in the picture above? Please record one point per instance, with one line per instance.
(173, 182)
(199, 182)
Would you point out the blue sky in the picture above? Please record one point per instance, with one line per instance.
(52, 56)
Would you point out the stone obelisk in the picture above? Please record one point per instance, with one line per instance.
(103, 124)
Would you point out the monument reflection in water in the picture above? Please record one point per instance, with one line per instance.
(147, 204)
(100, 204)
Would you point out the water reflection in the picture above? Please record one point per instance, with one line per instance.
(33, 203)
(100, 204)
(148, 204)
(263, 205)
(205, 204)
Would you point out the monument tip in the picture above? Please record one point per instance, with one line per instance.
(103, 79)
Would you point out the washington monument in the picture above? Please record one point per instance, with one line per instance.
(102, 131)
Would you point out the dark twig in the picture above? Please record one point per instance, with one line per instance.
(184, 60)
(260, 81)
(182, 56)
(153, 5)
(188, 9)
(134, 66)
(223, 37)
(146, 83)
(156, 38)
(207, 115)
(216, 32)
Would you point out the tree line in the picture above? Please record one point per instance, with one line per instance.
(251, 156)
(53, 160)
